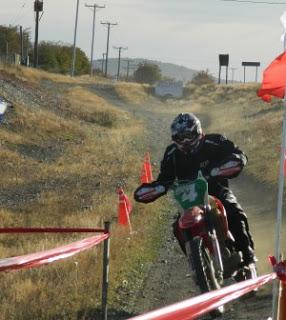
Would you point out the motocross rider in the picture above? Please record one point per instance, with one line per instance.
(219, 160)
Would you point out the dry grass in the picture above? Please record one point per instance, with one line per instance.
(92, 108)
(61, 167)
(254, 125)
(132, 92)
(35, 76)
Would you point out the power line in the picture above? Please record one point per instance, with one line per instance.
(102, 62)
(129, 67)
(95, 6)
(109, 24)
(38, 7)
(74, 40)
(119, 58)
(258, 2)
(20, 13)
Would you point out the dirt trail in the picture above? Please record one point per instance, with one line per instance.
(168, 280)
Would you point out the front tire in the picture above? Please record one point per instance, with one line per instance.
(201, 264)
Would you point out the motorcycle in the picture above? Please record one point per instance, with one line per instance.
(203, 233)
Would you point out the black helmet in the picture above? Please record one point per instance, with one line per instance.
(187, 132)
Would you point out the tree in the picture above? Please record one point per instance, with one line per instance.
(203, 77)
(57, 57)
(147, 73)
(53, 56)
(10, 38)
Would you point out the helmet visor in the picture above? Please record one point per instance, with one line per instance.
(186, 135)
(188, 142)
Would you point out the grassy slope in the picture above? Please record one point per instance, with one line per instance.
(64, 151)
(255, 126)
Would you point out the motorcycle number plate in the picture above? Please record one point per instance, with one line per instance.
(191, 194)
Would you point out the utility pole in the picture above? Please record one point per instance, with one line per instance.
(7, 51)
(38, 7)
(74, 40)
(119, 58)
(26, 44)
(21, 45)
(102, 63)
(127, 72)
(95, 6)
(109, 24)
(130, 67)
(232, 74)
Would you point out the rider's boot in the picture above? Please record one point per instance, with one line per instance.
(248, 256)
(250, 260)
(248, 269)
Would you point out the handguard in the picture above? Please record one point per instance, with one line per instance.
(229, 169)
(149, 192)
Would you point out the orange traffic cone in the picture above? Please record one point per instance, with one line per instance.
(124, 208)
(146, 172)
(148, 167)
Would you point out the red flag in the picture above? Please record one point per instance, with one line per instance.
(124, 208)
(274, 79)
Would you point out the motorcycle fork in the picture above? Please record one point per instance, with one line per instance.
(187, 234)
(217, 258)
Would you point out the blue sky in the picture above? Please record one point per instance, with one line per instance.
(186, 32)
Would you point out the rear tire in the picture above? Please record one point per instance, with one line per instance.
(201, 264)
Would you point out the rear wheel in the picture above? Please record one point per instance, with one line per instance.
(201, 264)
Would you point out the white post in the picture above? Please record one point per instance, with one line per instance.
(280, 202)
(92, 41)
(279, 213)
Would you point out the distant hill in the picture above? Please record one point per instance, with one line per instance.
(169, 70)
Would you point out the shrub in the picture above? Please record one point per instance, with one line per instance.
(203, 77)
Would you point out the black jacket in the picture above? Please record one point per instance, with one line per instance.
(214, 151)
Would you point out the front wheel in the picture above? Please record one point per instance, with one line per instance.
(201, 264)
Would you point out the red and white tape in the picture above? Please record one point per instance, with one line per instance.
(50, 230)
(197, 306)
(37, 259)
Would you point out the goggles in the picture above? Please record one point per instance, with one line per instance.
(187, 135)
